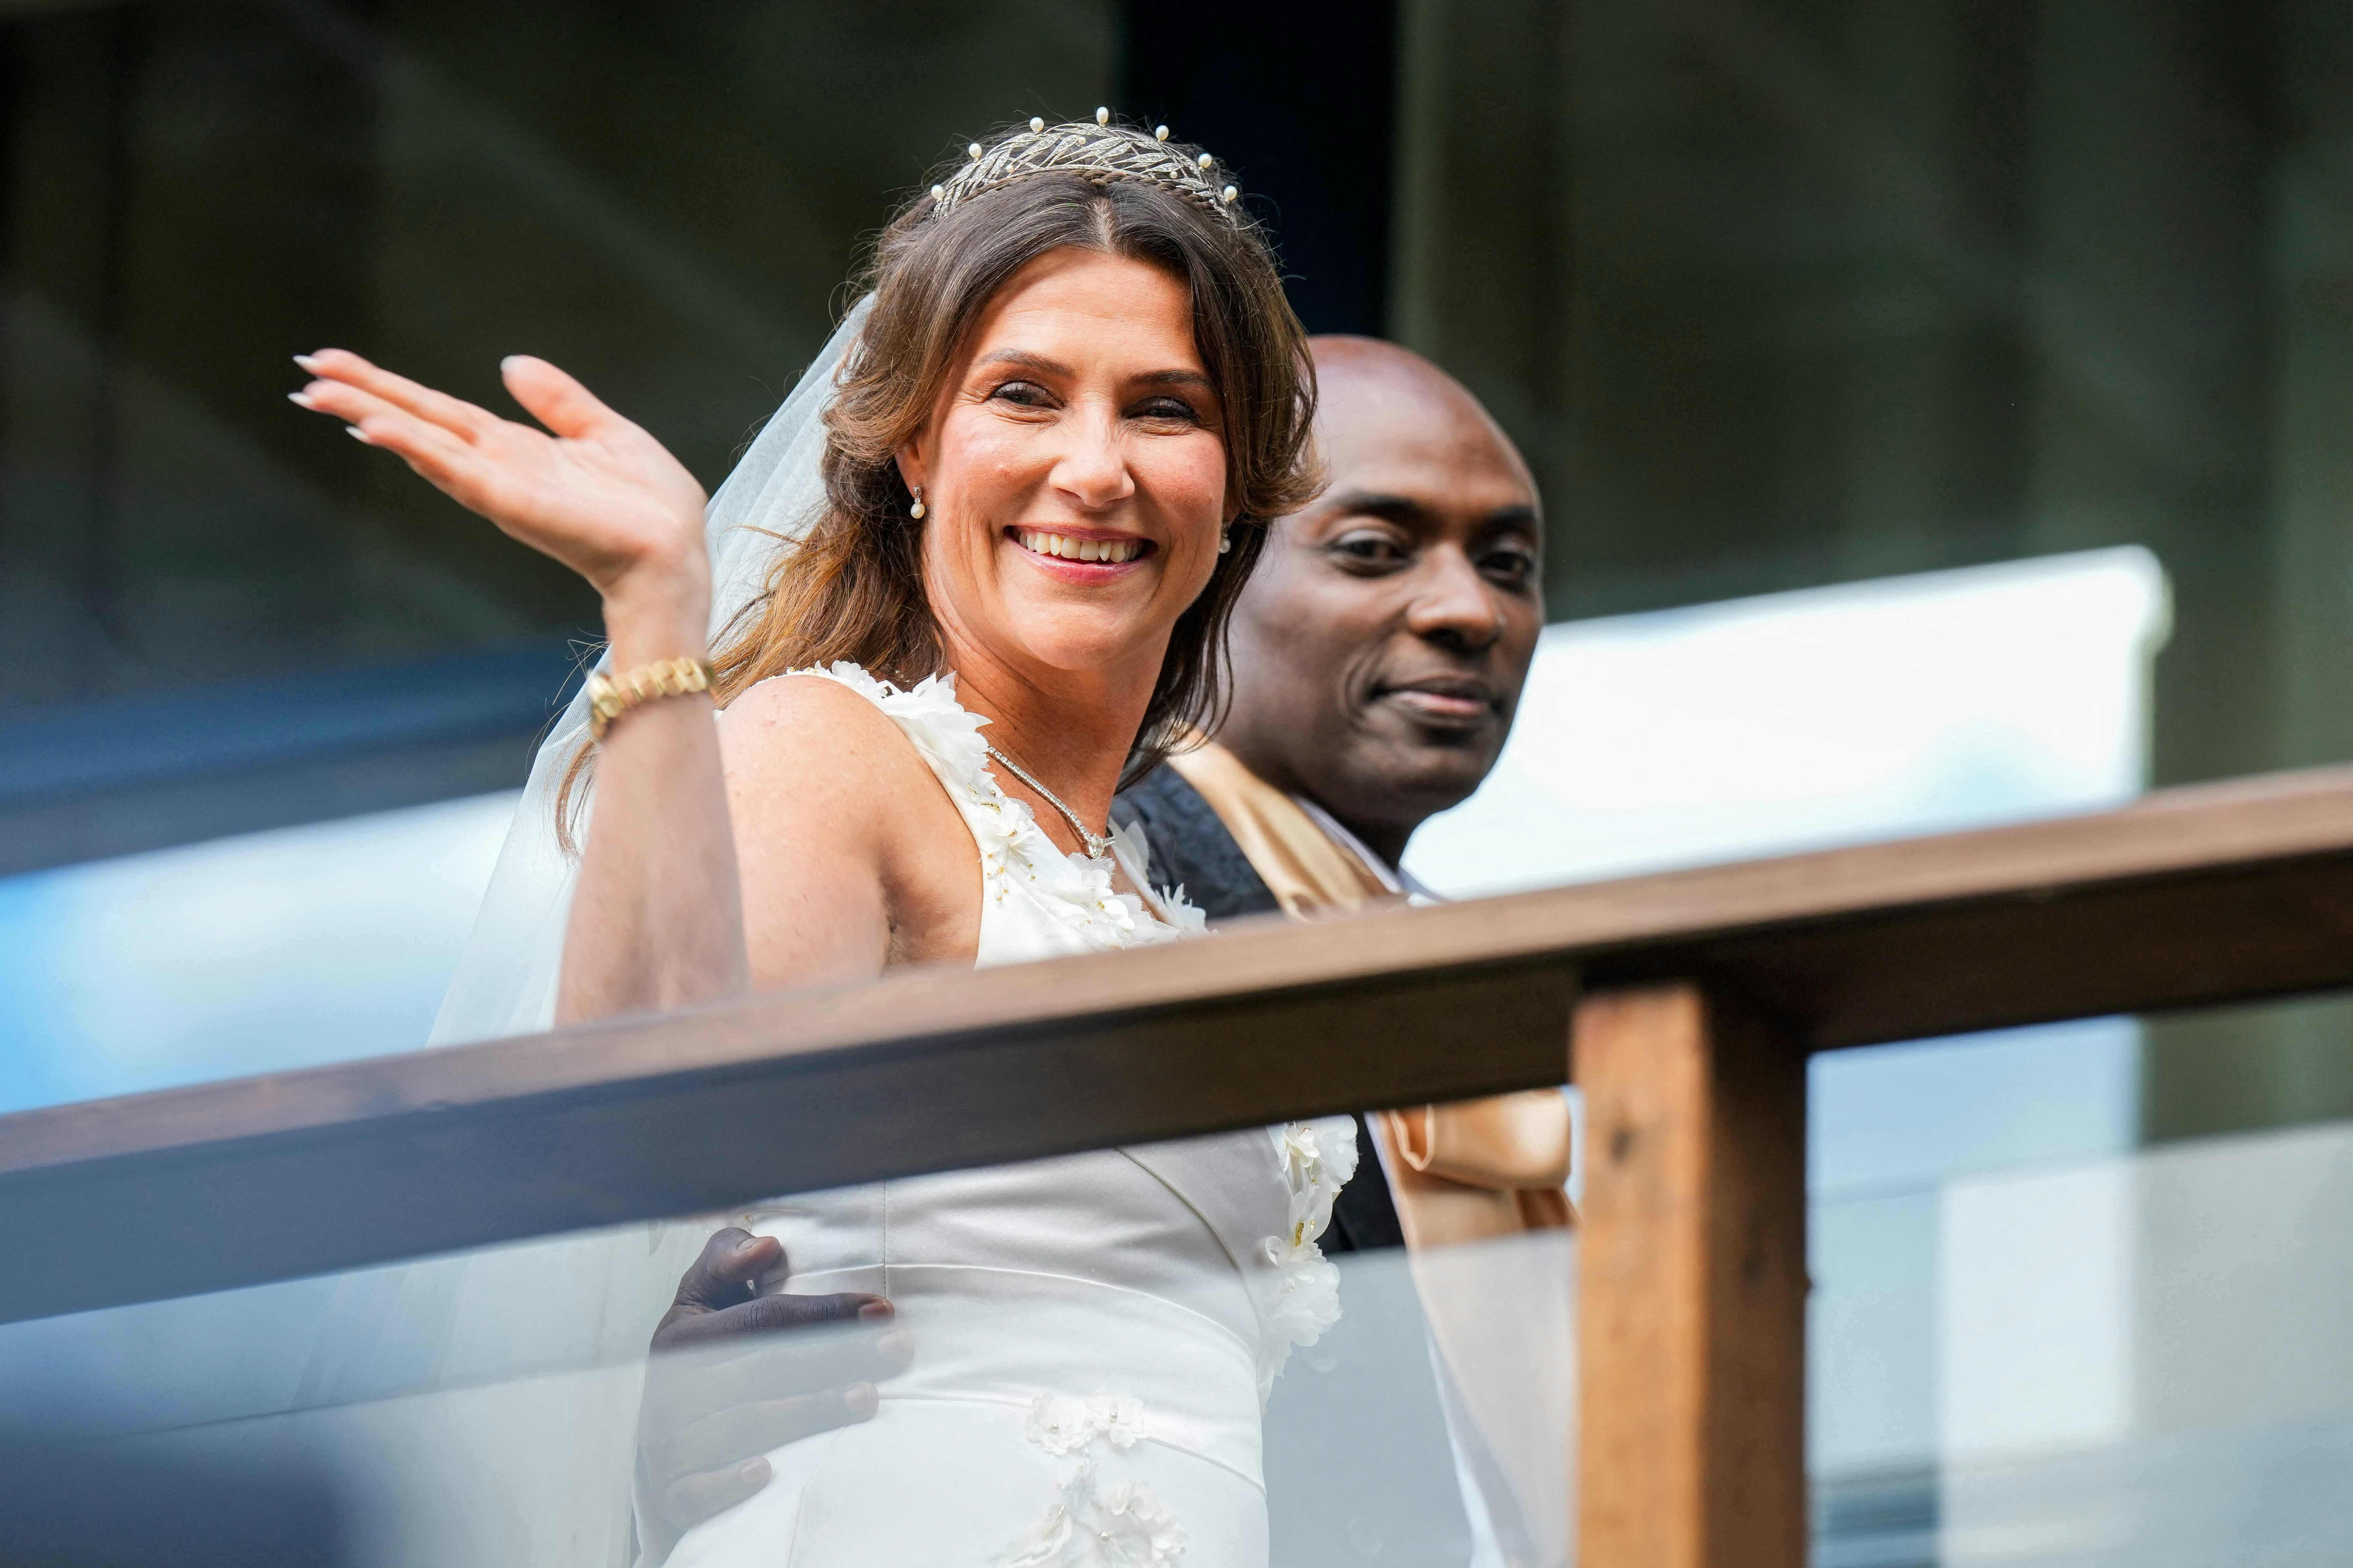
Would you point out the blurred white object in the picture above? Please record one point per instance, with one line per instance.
(1832, 716)
(246, 954)
(2209, 1417)
(2037, 1311)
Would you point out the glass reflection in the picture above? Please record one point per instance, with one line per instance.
(501, 1406)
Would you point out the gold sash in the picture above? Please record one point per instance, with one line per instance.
(1308, 873)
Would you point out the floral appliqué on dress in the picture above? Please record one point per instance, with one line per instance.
(1318, 1158)
(1122, 1525)
(1016, 858)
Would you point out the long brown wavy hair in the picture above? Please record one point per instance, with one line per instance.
(852, 588)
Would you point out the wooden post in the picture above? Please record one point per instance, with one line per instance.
(1692, 1284)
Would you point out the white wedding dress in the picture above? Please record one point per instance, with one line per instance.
(1094, 1336)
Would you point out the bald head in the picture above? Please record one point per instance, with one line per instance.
(1375, 391)
(1380, 646)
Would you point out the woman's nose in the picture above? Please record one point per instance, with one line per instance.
(1091, 467)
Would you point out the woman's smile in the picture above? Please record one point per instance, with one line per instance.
(1081, 554)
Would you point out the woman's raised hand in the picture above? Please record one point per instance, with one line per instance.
(600, 494)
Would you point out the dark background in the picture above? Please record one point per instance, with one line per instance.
(218, 614)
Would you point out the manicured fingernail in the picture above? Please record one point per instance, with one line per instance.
(508, 363)
(300, 400)
(876, 1311)
(895, 1344)
(859, 1399)
(751, 1472)
(307, 361)
(356, 434)
(746, 1244)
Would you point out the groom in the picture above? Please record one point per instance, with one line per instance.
(1379, 654)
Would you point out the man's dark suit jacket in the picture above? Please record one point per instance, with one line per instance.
(1358, 1467)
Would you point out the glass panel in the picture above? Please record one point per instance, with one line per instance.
(2032, 1343)
(2037, 1338)
(1091, 1335)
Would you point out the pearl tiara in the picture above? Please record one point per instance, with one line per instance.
(1103, 151)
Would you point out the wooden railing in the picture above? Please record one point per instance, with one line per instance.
(1687, 1004)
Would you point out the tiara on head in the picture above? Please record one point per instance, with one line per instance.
(1102, 152)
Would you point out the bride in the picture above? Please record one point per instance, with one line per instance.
(976, 571)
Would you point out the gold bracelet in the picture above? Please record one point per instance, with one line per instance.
(610, 697)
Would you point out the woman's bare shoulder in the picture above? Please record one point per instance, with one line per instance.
(847, 842)
(820, 738)
(804, 694)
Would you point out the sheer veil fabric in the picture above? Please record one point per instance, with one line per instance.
(506, 979)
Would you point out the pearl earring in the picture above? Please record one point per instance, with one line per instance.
(916, 510)
(1225, 541)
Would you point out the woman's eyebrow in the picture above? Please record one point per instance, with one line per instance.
(1045, 366)
(1038, 362)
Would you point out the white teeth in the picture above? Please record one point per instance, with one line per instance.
(1069, 548)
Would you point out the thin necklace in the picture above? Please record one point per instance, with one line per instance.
(1098, 845)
